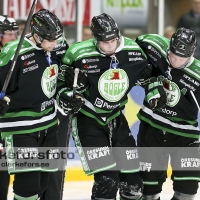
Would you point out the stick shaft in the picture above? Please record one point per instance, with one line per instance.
(2, 94)
(195, 99)
(76, 71)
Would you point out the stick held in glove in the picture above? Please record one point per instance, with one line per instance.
(76, 71)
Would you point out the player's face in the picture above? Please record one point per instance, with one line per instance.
(108, 47)
(176, 61)
(48, 45)
(8, 36)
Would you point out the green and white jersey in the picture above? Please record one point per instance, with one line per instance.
(180, 115)
(110, 77)
(31, 88)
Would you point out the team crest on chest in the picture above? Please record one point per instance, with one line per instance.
(113, 84)
(172, 91)
(49, 80)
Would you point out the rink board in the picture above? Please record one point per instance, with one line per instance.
(77, 174)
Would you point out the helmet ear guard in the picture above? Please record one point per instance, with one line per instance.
(183, 43)
(37, 38)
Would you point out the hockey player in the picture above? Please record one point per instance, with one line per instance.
(30, 120)
(56, 180)
(113, 64)
(8, 29)
(176, 124)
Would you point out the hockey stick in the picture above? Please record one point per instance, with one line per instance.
(76, 71)
(3, 91)
(195, 99)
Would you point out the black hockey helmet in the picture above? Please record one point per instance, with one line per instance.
(104, 28)
(46, 25)
(183, 42)
(7, 24)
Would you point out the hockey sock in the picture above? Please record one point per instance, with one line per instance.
(17, 197)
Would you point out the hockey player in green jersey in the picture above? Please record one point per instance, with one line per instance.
(8, 33)
(30, 121)
(176, 124)
(113, 64)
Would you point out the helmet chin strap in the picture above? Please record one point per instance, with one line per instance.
(38, 43)
(118, 44)
(186, 64)
(101, 50)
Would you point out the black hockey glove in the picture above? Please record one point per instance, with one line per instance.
(4, 106)
(68, 103)
(82, 82)
(146, 74)
(155, 94)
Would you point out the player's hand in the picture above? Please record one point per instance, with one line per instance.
(155, 94)
(4, 105)
(82, 81)
(70, 104)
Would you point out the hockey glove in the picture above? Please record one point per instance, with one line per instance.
(4, 106)
(82, 82)
(68, 103)
(155, 94)
(146, 74)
